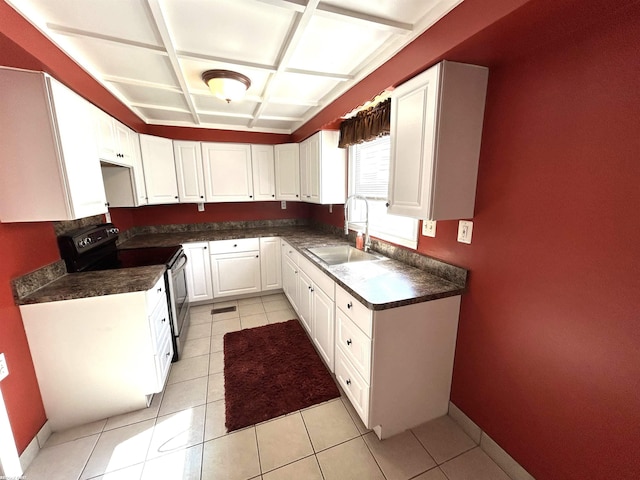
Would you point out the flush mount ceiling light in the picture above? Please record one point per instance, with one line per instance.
(226, 84)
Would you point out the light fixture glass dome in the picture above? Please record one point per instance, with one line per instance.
(226, 85)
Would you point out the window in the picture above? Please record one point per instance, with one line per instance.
(369, 177)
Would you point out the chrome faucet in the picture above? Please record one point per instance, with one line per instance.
(367, 239)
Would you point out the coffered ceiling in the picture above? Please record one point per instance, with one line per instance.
(299, 54)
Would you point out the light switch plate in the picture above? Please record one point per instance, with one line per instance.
(201, 207)
(465, 229)
(429, 228)
(4, 371)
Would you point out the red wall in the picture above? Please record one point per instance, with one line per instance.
(548, 353)
(214, 212)
(26, 247)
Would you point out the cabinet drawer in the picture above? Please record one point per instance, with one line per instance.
(232, 246)
(353, 385)
(357, 312)
(156, 294)
(163, 362)
(289, 252)
(355, 345)
(318, 277)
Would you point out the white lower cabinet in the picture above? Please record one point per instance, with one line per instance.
(270, 263)
(235, 266)
(395, 365)
(199, 286)
(290, 276)
(97, 357)
(311, 293)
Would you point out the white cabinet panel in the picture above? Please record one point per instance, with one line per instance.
(264, 184)
(287, 171)
(53, 128)
(322, 169)
(189, 171)
(228, 172)
(235, 273)
(199, 281)
(159, 169)
(323, 325)
(305, 301)
(436, 128)
(290, 281)
(270, 263)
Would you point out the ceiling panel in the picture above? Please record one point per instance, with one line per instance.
(138, 94)
(336, 46)
(299, 55)
(249, 30)
(123, 61)
(125, 19)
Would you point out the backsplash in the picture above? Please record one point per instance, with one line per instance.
(207, 226)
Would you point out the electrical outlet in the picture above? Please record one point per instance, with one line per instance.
(201, 207)
(283, 204)
(465, 229)
(4, 371)
(429, 228)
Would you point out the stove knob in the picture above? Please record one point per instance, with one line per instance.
(88, 240)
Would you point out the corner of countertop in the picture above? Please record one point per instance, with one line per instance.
(25, 285)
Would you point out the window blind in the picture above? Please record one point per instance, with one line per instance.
(371, 162)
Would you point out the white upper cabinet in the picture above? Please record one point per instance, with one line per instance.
(124, 184)
(138, 171)
(287, 164)
(50, 168)
(264, 184)
(228, 172)
(436, 128)
(322, 169)
(159, 169)
(189, 171)
(114, 140)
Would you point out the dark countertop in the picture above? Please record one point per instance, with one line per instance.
(379, 284)
(95, 284)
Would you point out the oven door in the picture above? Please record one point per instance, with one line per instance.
(179, 301)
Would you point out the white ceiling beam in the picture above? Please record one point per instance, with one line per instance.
(288, 48)
(313, 73)
(76, 32)
(208, 58)
(155, 106)
(165, 35)
(141, 83)
(296, 5)
(352, 16)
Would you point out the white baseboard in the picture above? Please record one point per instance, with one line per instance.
(488, 445)
(34, 446)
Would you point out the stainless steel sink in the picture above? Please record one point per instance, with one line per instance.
(337, 254)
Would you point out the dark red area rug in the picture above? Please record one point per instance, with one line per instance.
(270, 371)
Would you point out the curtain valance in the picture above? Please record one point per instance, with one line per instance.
(366, 125)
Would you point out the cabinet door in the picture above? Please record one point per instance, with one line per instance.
(159, 169)
(323, 325)
(413, 112)
(138, 170)
(227, 172)
(313, 166)
(235, 273)
(199, 283)
(270, 263)
(305, 188)
(290, 281)
(74, 118)
(287, 166)
(189, 172)
(305, 301)
(107, 140)
(123, 142)
(264, 184)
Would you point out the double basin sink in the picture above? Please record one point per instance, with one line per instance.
(339, 254)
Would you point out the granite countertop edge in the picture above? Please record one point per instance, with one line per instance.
(302, 238)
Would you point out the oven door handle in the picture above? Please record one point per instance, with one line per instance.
(179, 264)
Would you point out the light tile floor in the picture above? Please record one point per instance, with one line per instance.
(182, 434)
